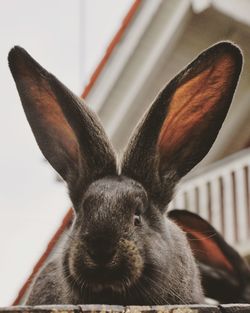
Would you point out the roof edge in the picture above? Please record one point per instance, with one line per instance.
(114, 42)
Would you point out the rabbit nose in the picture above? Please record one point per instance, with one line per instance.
(101, 250)
(102, 256)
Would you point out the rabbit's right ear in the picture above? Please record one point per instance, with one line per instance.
(183, 122)
(67, 132)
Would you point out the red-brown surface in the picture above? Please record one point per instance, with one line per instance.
(65, 223)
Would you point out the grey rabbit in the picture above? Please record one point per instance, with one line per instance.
(122, 248)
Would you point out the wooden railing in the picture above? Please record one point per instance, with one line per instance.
(221, 194)
(229, 308)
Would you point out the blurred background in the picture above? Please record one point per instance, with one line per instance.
(117, 54)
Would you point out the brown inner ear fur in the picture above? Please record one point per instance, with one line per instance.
(49, 114)
(193, 105)
(206, 250)
(206, 243)
(43, 112)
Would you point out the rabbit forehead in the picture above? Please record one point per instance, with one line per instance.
(113, 189)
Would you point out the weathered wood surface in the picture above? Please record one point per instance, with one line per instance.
(229, 308)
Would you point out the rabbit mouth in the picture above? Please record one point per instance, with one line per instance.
(123, 272)
(116, 277)
(102, 278)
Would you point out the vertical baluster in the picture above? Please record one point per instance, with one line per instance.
(229, 231)
(241, 205)
(197, 199)
(234, 202)
(222, 205)
(190, 199)
(247, 190)
(209, 201)
(203, 200)
(215, 204)
(186, 200)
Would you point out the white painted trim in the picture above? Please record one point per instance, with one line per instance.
(200, 5)
(232, 8)
(170, 29)
(122, 53)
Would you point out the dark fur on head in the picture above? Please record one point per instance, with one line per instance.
(122, 248)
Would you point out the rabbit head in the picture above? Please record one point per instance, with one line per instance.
(122, 247)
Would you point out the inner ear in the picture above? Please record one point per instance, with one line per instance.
(206, 250)
(193, 100)
(196, 111)
(207, 244)
(51, 129)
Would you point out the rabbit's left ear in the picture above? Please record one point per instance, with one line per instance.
(225, 274)
(69, 135)
(184, 120)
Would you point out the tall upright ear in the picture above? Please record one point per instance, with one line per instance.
(184, 120)
(225, 274)
(67, 132)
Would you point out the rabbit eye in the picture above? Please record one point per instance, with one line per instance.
(137, 219)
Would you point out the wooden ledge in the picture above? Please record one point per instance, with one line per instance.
(228, 308)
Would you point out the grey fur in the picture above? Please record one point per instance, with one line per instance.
(122, 249)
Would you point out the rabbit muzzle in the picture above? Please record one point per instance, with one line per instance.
(107, 252)
(107, 266)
